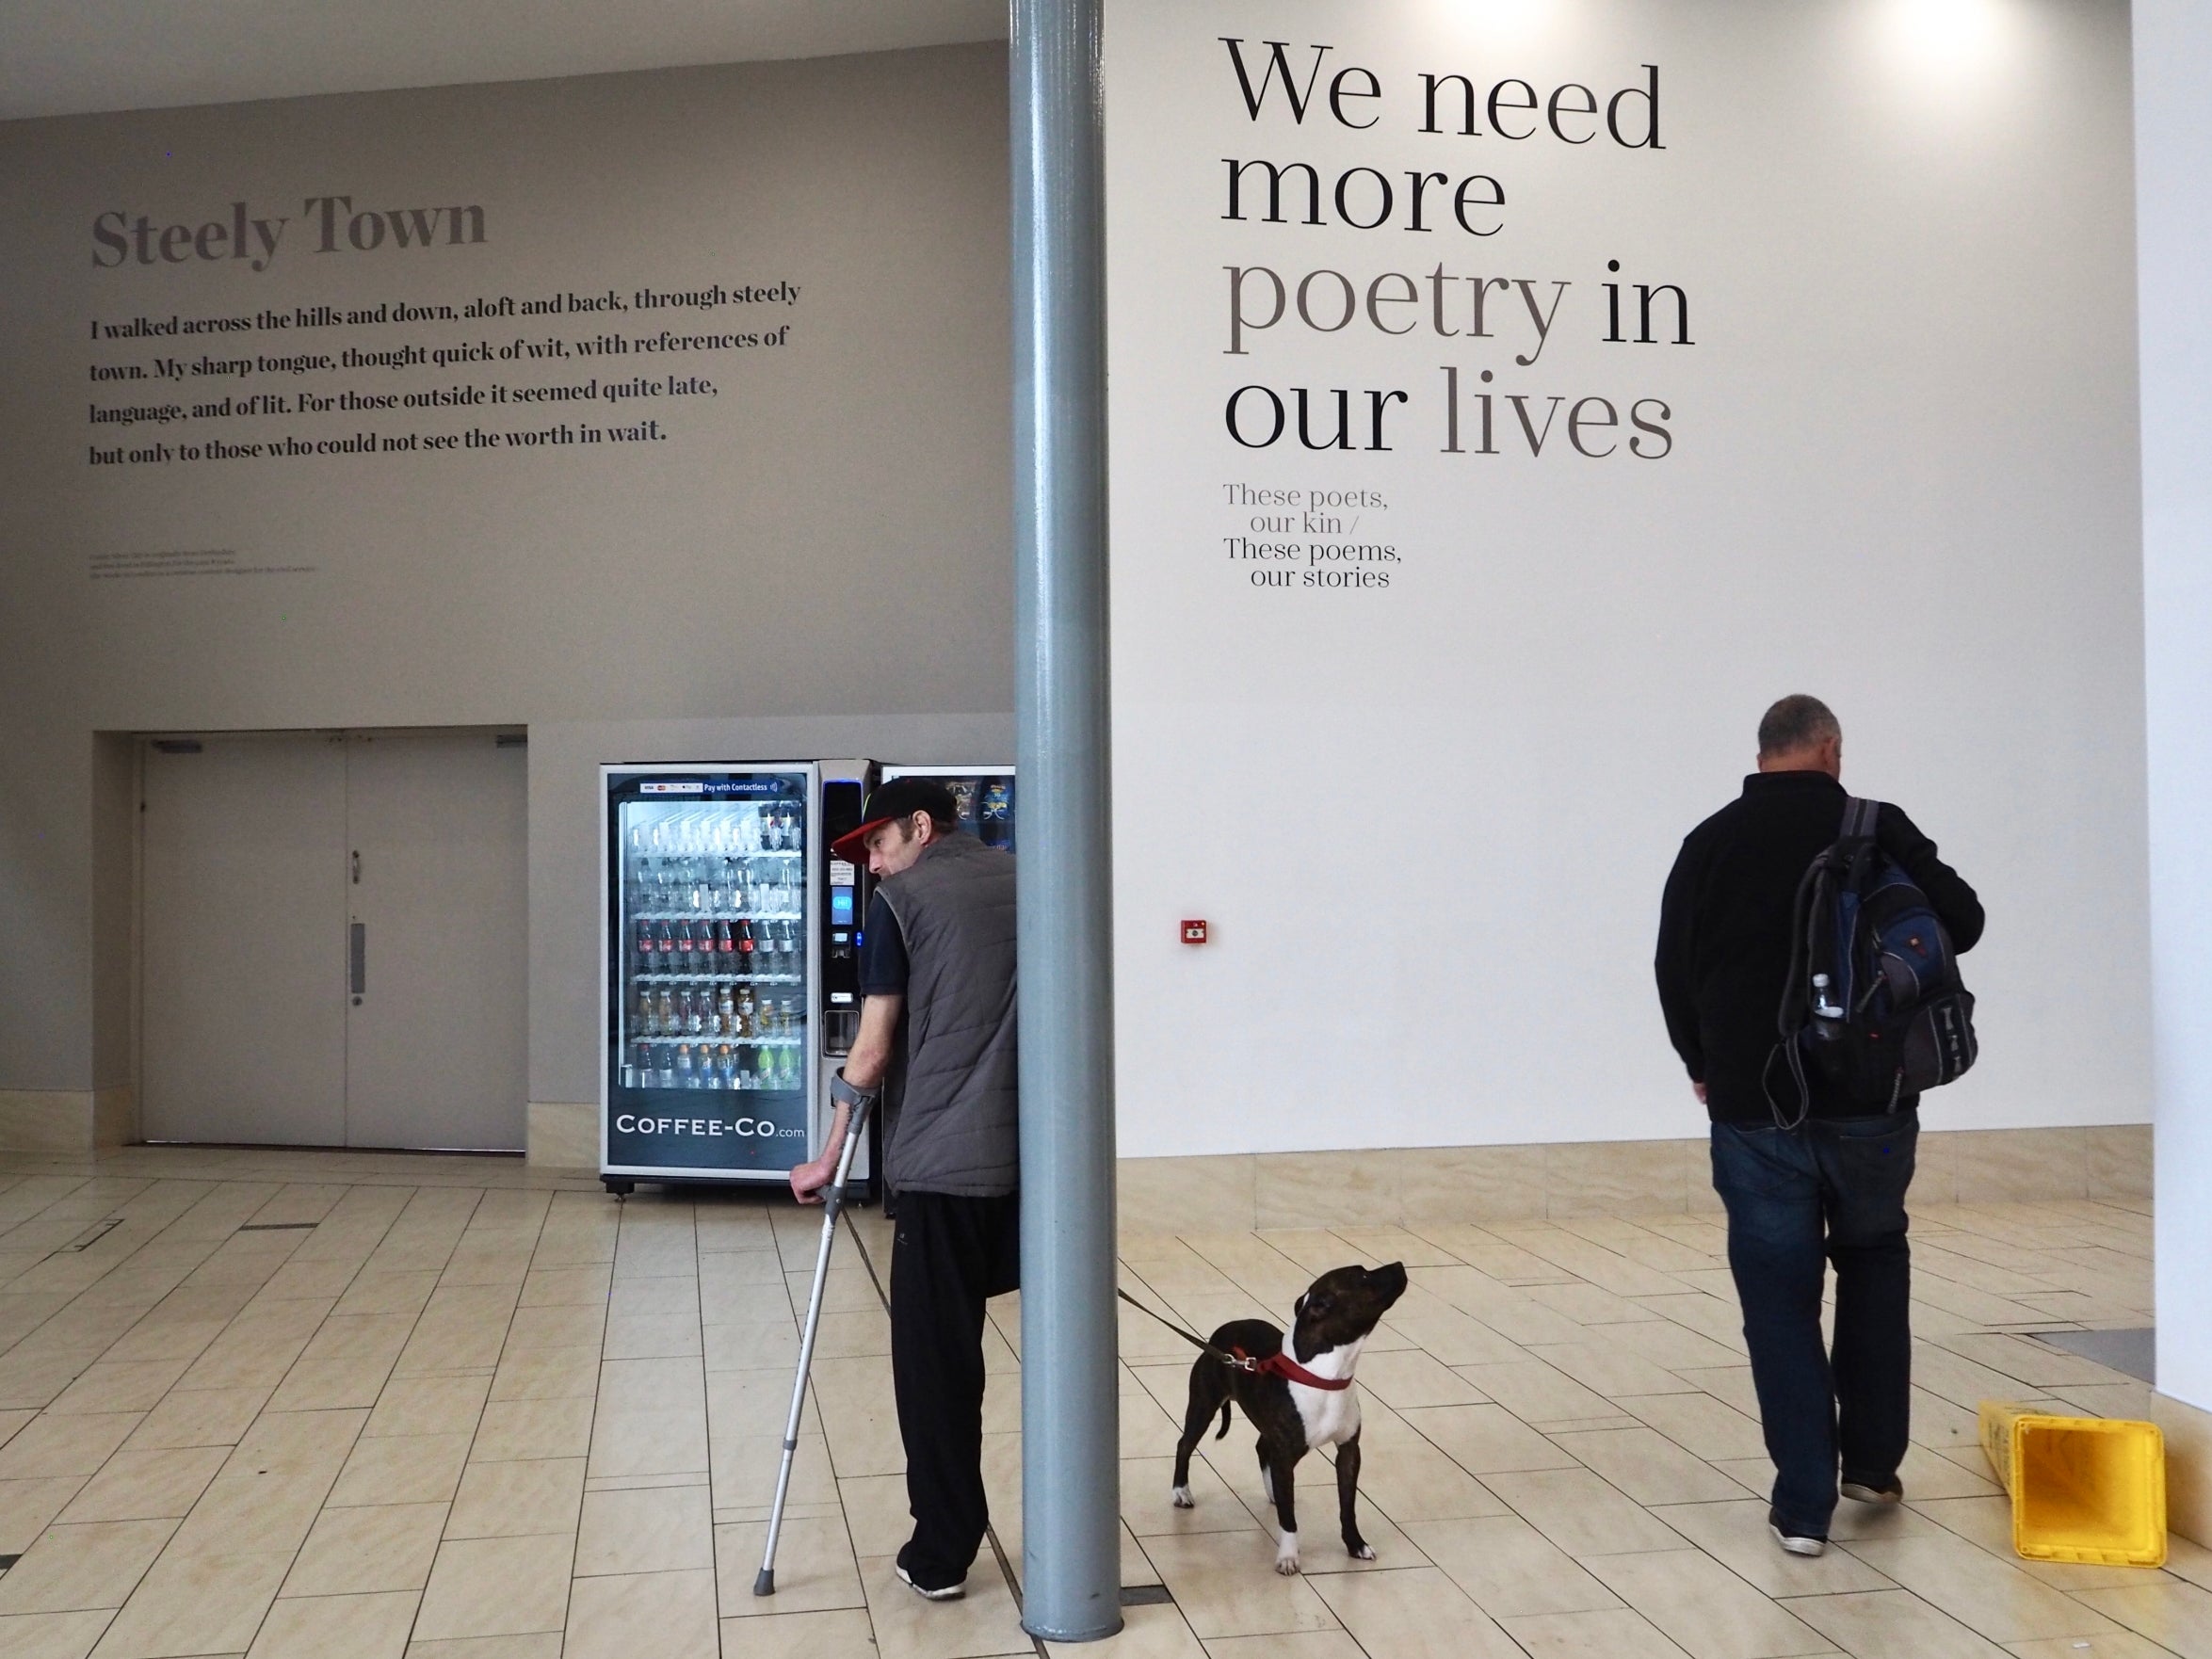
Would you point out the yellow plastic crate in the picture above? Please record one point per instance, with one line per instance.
(2088, 1489)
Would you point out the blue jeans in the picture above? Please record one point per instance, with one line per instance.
(1834, 1189)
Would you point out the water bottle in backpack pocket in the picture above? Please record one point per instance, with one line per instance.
(1873, 1004)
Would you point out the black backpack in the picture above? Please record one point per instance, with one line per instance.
(1873, 1004)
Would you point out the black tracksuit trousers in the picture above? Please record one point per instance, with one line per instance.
(948, 1255)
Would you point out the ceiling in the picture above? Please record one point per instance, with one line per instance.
(74, 56)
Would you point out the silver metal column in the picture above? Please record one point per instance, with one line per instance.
(1070, 1433)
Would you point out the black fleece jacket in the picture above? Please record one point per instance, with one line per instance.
(1724, 930)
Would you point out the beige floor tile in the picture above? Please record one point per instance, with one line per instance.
(375, 1292)
(1702, 1425)
(566, 1287)
(119, 1386)
(27, 1505)
(608, 1614)
(65, 1445)
(1703, 1607)
(251, 1513)
(337, 1627)
(536, 1330)
(811, 1635)
(1606, 1633)
(1486, 1440)
(2121, 1645)
(1226, 1585)
(74, 1568)
(1506, 1567)
(985, 1621)
(496, 1587)
(429, 1405)
(1581, 1513)
(1647, 1465)
(1310, 1644)
(1401, 1475)
(188, 1604)
(815, 1567)
(1147, 1633)
(2175, 1615)
(1407, 1376)
(51, 1635)
(1988, 1523)
(551, 1373)
(296, 1443)
(1734, 1534)
(1536, 1392)
(514, 1499)
(1146, 1504)
(1890, 1624)
(510, 1429)
(1607, 1368)
(402, 1469)
(1415, 1613)
(199, 1417)
(1991, 1597)
(383, 1547)
(322, 1385)
(146, 1485)
(666, 1529)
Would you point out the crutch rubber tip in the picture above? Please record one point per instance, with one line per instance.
(765, 1583)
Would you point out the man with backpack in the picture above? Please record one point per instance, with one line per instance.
(1806, 973)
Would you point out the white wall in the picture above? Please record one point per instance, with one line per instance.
(2173, 159)
(826, 536)
(1430, 822)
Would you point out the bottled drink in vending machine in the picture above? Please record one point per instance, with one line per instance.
(748, 1026)
(687, 1076)
(726, 1011)
(639, 1072)
(664, 945)
(725, 947)
(665, 1065)
(641, 1015)
(747, 952)
(787, 1019)
(645, 962)
(725, 1068)
(997, 815)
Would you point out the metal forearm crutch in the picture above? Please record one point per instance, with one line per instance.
(832, 1202)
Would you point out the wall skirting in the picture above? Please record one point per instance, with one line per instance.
(50, 1119)
(1400, 1186)
(563, 1134)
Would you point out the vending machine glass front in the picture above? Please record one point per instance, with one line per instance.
(710, 973)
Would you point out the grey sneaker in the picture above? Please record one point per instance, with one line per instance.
(1860, 1492)
(1792, 1543)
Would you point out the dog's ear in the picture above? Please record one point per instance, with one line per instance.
(1298, 1308)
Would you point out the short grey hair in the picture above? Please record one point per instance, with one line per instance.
(1795, 722)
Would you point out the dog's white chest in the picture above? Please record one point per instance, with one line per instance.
(1331, 1415)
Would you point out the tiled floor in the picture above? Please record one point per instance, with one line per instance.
(293, 1405)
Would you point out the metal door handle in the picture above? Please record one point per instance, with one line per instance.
(357, 866)
(357, 958)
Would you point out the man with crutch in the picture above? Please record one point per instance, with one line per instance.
(938, 1041)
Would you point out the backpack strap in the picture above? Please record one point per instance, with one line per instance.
(1859, 819)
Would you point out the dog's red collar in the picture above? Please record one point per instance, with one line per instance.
(1280, 1365)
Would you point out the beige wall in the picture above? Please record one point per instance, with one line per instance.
(828, 535)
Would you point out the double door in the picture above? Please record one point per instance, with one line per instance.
(334, 940)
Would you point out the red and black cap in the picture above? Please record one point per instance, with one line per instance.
(901, 797)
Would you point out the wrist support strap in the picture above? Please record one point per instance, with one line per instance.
(845, 1094)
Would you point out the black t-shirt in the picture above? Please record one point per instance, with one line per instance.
(882, 966)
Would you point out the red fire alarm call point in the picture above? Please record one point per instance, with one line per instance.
(1194, 932)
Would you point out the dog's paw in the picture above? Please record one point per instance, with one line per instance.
(1361, 1552)
(1286, 1554)
(1180, 1494)
(1287, 1566)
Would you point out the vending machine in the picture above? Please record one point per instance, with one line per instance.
(711, 967)
(984, 797)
